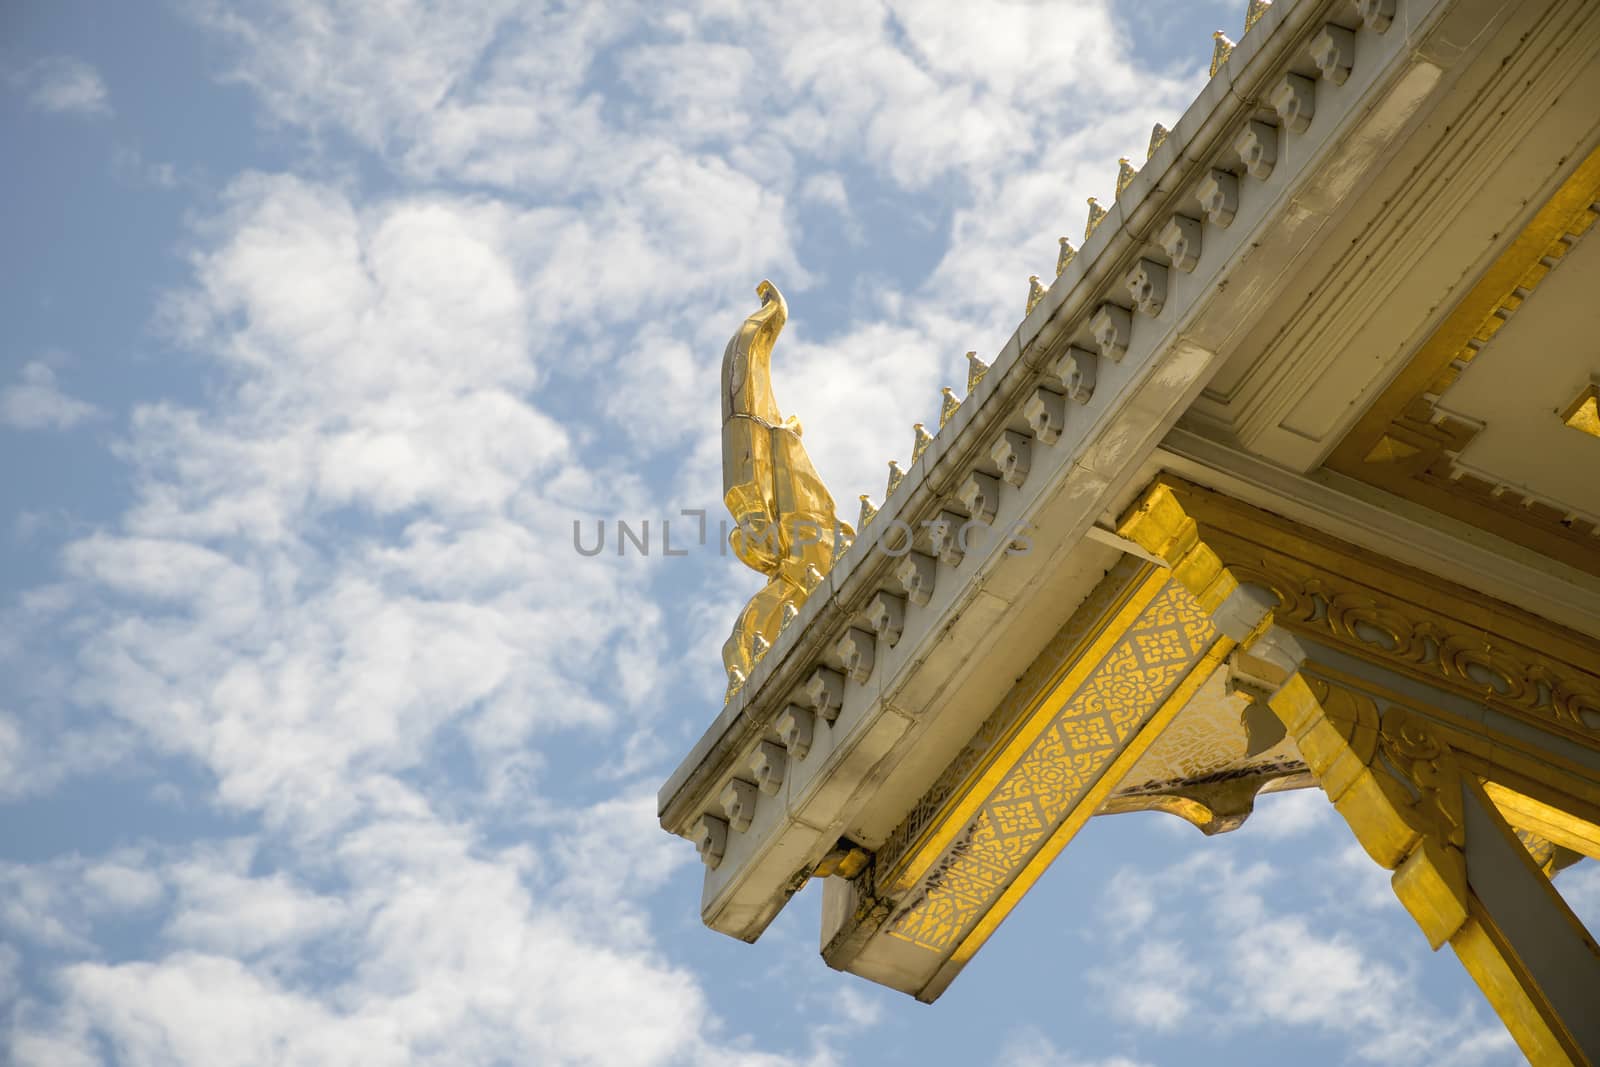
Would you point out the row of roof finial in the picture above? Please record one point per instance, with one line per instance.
(1222, 44)
(1222, 48)
(948, 406)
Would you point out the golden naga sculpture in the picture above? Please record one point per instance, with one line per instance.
(784, 523)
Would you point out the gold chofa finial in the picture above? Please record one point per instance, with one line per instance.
(1064, 257)
(896, 476)
(948, 405)
(1035, 293)
(783, 520)
(1253, 13)
(921, 439)
(1220, 51)
(1158, 137)
(1125, 174)
(976, 369)
(868, 509)
(1096, 214)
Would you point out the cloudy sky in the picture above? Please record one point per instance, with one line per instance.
(320, 744)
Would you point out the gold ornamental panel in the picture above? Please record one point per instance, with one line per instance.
(1060, 774)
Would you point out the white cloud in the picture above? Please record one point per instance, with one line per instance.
(372, 363)
(344, 594)
(221, 908)
(664, 151)
(1033, 1048)
(36, 402)
(65, 85)
(1225, 953)
(120, 885)
(1579, 886)
(1151, 986)
(1283, 815)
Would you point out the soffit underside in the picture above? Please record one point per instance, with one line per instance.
(1464, 180)
(1482, 422)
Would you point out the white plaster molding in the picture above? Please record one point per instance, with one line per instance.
(916, 574)
(710, 839)
(770, 763)
(1180, 239)
(1257, 146)
(796, 726)
(825, 690)
(857, 649)
(944, 537)
(1075, 370)
(1112, 327)
(1046, 412)
(1147, 285)
(1219, 195)
(980, 495)
(738, 802)
(1333, 50)
(1013, 454)
(886, 614)
(1295, 101)
(1376, 15)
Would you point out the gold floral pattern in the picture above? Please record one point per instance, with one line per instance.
(1045, 785)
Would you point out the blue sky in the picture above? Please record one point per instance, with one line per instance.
(319, 743)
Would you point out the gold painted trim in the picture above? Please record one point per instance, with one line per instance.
(1064, 773)
(1027, 710)
(1583, 414)
(1500, 974)
(1404, 446)
(1492, 755)
(1081, 813)
(1534, 1022)
(1548, 821)
(1374, 608)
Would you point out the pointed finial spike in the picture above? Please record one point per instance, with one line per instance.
(1254, 12)
(1221, 49)
(921, 439)
(1125, 174)
(976, 369)
(1035, 293)
(948, 405)
(1096, 214)
(1064, 257)
(896, 476)
(867, 511)
(1158, 137)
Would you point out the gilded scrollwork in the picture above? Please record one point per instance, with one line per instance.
(1430, 644)
(1225, 548)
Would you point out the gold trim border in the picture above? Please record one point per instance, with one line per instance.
(1085, 808)
(1032, 704)
(1374, 608)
